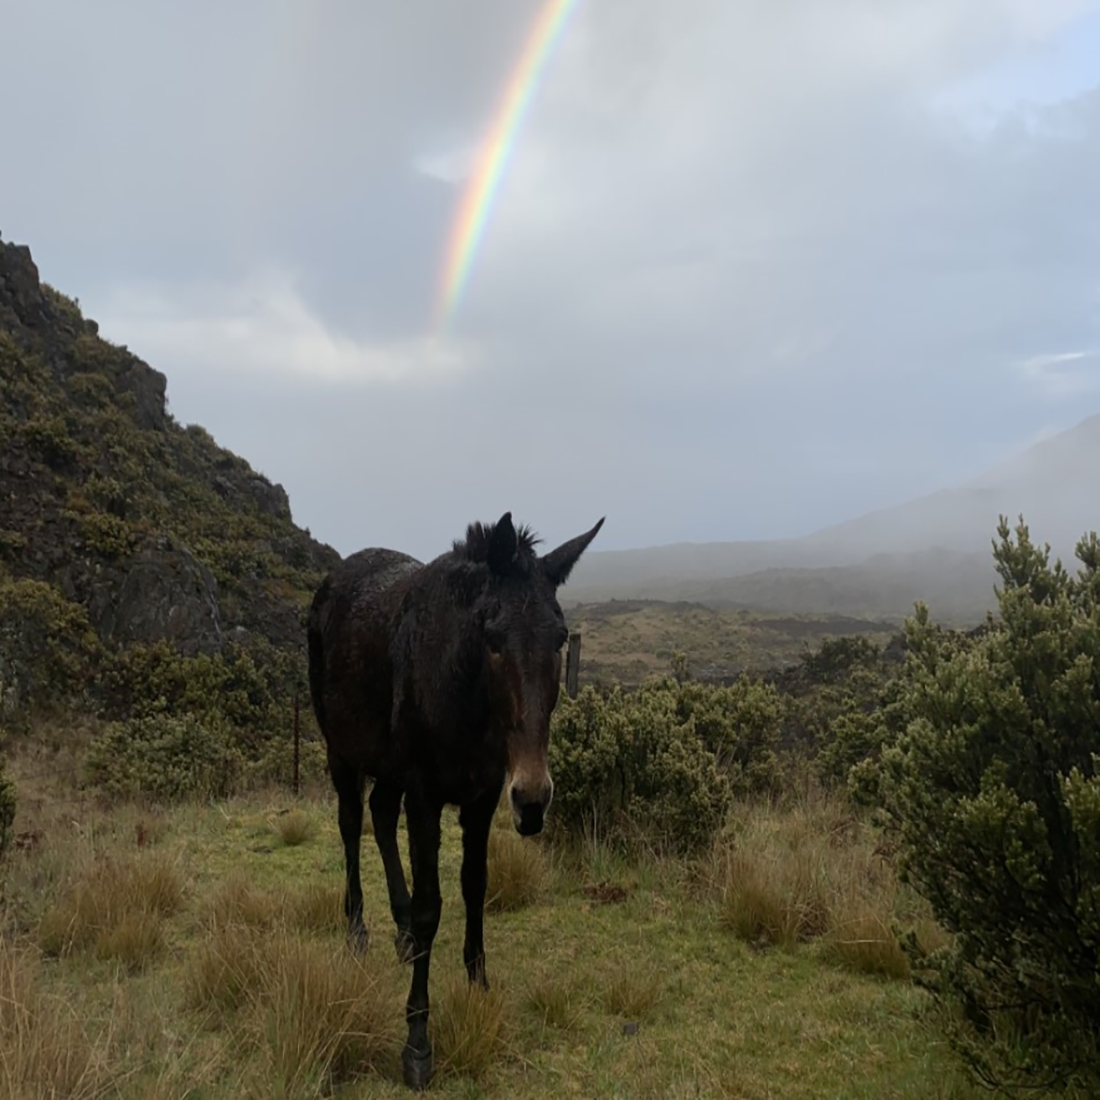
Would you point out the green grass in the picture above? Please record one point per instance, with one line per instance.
(597, 991)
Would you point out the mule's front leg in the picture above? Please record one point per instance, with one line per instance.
(476, 820)
(422, 815)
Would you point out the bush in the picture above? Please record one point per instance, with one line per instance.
(994, 793)
(164, 757)
(630, 763)
(47, 648)
(740, 725)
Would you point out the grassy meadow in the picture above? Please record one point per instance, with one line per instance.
(626, 641)
(198, 952)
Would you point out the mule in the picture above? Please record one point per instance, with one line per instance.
(437, 681)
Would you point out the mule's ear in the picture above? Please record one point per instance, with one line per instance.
(559, 563)
(503, 545)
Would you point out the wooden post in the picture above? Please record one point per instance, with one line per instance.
(573, 664)
(297, 739)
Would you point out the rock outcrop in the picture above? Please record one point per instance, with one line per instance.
(159, 533)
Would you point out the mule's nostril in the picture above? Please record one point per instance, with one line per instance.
(517, 802)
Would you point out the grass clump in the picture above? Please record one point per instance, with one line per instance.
(555, 1002)
(223, 970)
(317, 1016)
(517, 872)
(46, 1052)
(294, 827)
(792, 874)
(467, 1024)
(239, 902)
(632, 994)
(115, 908)
(317, 907)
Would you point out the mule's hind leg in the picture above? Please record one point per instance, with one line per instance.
(385, 809)
(422, 813)
(349, 783)
(476, 819)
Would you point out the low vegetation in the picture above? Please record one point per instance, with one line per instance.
(871, 875)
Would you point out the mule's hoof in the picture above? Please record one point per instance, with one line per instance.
(359, 939)
(417, 1068)
(406, 949)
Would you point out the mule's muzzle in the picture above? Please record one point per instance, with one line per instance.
(529, 813)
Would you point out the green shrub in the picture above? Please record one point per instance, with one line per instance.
(629, 764)
(107, 535)
(47, 648)
(164, 757)
(994, 793)
(51, 438)
(740, 725)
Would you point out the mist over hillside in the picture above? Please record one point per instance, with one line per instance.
(935, 547)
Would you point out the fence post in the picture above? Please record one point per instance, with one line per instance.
(297, 739)
(573, 664)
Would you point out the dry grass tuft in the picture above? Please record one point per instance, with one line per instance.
(238, 901)
(319, 1017)
(867, 945)
(632, 994)
(294, 827)
(467, 1025)
(116, 905)
(135, 940)
(517, 872)
(45, 1050)
(311, 1012)
(811, 871)
(317, 907)
(224, 969)
(772, 896)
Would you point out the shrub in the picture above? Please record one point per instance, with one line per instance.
(629, 762)
(47, 648)
(739, 724)
(164, 757)
(994, 793)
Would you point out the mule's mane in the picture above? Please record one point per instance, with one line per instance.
(475, 546)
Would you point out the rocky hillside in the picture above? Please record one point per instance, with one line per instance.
(153, 529)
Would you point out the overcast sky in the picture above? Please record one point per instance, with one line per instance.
(756, 265)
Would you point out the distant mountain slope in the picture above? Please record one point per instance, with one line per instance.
(937, 547)
(156, 530)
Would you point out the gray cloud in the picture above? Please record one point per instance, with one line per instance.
(754, 267)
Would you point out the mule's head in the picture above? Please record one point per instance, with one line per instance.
(523, 632)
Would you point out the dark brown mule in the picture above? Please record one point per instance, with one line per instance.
(437, 681)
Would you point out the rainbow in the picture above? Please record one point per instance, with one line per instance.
(477, 199)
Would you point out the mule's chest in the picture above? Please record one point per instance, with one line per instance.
(462, 769)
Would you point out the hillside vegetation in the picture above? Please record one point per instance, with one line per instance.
(120, 529)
